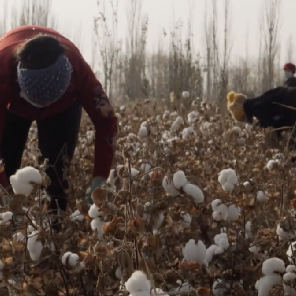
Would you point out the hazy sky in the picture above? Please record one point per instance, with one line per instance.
(74, 15)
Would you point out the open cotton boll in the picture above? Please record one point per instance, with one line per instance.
(210, 253)
(158, 222)
(22, 181)
(233, 213)
(143, 132)
(19, 237)
(138, 284)
(186, 220)
(70, 258)
(169, 187)
(187, 132)
(272, 265)
(34, 246)
(248, 230)
(215, 203)
(195, 251)
(192, 117)
(291, 268)
(195, 192)
(266, 283)
(111, 179)
(134, 172)
(93, 212)
(98, 225)
(221, 240)
(261, 197)
(290, 252)
(283, 235)
(289, 279)
(220, 213)
(76, 216)
(145, 166)
(6, 218)
(90, 135)
(185, 94)
(179, 179)
(220, 288)
(271, 164)
(255, 249)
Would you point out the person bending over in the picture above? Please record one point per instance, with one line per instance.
(44, 78)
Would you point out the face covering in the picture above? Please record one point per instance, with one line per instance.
(288, 74)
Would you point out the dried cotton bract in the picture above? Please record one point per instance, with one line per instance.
(22, 182)
(228, 179)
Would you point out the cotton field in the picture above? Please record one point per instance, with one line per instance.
(195, 204)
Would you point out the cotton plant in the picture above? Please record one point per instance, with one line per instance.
(271, 269)
(289, 280)
(228, 179)
(23, 180)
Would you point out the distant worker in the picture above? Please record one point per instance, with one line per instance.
(289, 70)
(44, 78)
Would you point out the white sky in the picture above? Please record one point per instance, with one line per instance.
(74, 15)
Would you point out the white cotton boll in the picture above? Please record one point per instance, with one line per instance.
(118, 273)
(195, 251)
(145, 167)
(247, 184)
(222, 178)
(169, 187)
(266, 283)
(271, 164)
(179, 179)
(134, 172)
(6, 218)
(219, 251)
(232, 177)
(221, 240)
(187, 132)
(272, 265)
(283, 235)
(90, 135)
(138, 284)
(144, 124)
(210, 253)
(261, 197)
(185, 94)
(71, 258)
(195, 192)
(219, 288)
(34, 246)
(290, 252)
(22, 181)
(255, 249)
(233, 213)
(111, 179)
(143, 132)
(215, 203)
(227, 187)
(192, 117)
(248, 230)
(221, 210)
(98, 225)
(19, 237)
(289, 279)
(76, 216)
(186, 220)
(122, 108)
(291, 268)
(93, 212)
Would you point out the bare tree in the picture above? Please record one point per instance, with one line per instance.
(106, 41)
(271, 22)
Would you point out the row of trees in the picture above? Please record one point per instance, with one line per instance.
(126, 68)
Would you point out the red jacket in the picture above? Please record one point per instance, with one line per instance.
(84, 88)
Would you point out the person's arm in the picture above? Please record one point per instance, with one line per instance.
(95, 102)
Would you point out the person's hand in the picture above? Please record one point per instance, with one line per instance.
(96, 182)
